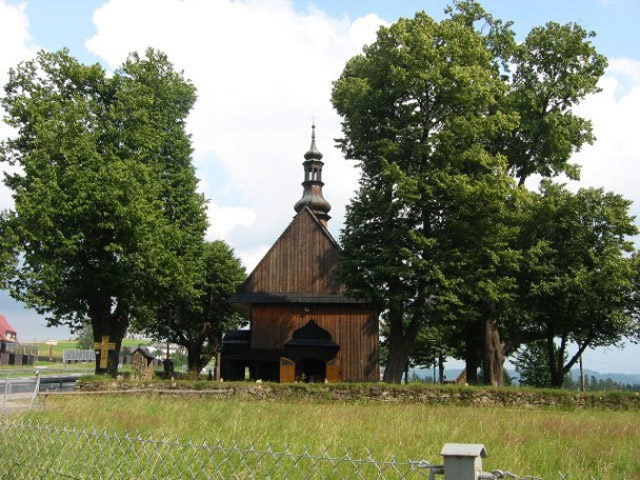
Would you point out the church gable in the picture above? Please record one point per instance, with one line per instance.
(303, 327)
(305, 260)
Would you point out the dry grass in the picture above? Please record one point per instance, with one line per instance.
(539, 441)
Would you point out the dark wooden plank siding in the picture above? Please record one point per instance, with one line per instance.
(305, 259)
(353, 327)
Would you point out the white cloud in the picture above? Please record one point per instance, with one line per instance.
(252, 256)
(225, 219)
(625, 67)
(14, 37)
(613, 161)
(262, 70)
(16, 46)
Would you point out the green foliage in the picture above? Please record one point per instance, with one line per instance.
(555, 67)
(198, 319)
(532, 364)
(420, 107)
(444, 118)
(577, 277)
(84, 340)
(105, 202)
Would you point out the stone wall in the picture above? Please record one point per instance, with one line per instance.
(433, 395)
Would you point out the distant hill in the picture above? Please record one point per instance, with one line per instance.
(623, 378)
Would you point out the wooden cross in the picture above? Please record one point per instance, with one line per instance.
(104, 348)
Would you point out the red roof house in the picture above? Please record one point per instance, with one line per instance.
(7, 333)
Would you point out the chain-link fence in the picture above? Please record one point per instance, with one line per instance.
(31, 450)
(40, 450)
(18, 394)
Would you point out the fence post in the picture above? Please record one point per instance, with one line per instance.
(36, 389)
(4, 397)
(463, 461)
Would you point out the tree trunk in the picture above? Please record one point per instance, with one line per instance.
(556, 362)
(396, 360)
(194, 361)
(400, 343)
(110, 329)
(556, 359)
(198, 356)
(472, 348)
(493, 355)
(440, 368)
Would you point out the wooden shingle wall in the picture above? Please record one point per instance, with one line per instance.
(305, 259)
(354, 327)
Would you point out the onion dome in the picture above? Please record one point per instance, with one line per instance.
(313, 153)
(312, 185)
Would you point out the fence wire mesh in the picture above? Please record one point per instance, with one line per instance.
(18, 395)
(499, 474)
(31, 450)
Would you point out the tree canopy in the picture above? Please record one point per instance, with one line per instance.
(198, 321)
(419, 107)
(447, 120)
(105, 202)
(576, 280)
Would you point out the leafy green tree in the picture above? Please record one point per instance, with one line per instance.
(577, 277)
(554, 69)
(429, 349)
(570, 383)
(85, 339)
(418, 108)
(437, 115)
(105, 202)
(532, 364)
(547, 74)
(197, 321)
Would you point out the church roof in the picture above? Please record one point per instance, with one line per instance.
(145, 352)
(302, 266)
(305, 259)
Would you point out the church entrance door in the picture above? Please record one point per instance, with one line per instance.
(334, 371)
(287, 370)
(310, 370)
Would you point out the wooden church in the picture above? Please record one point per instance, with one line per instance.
(302, 326)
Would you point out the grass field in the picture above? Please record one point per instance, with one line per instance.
(527, 441)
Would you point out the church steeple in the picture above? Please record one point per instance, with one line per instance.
(312, 185)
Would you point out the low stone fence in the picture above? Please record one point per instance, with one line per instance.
(433, 395)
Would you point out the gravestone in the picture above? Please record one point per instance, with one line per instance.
(142, 363)
(168, 368)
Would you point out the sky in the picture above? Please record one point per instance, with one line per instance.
(263, 69)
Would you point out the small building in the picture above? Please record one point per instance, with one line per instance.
(142, 363)
(7, 333)
(303, 327)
